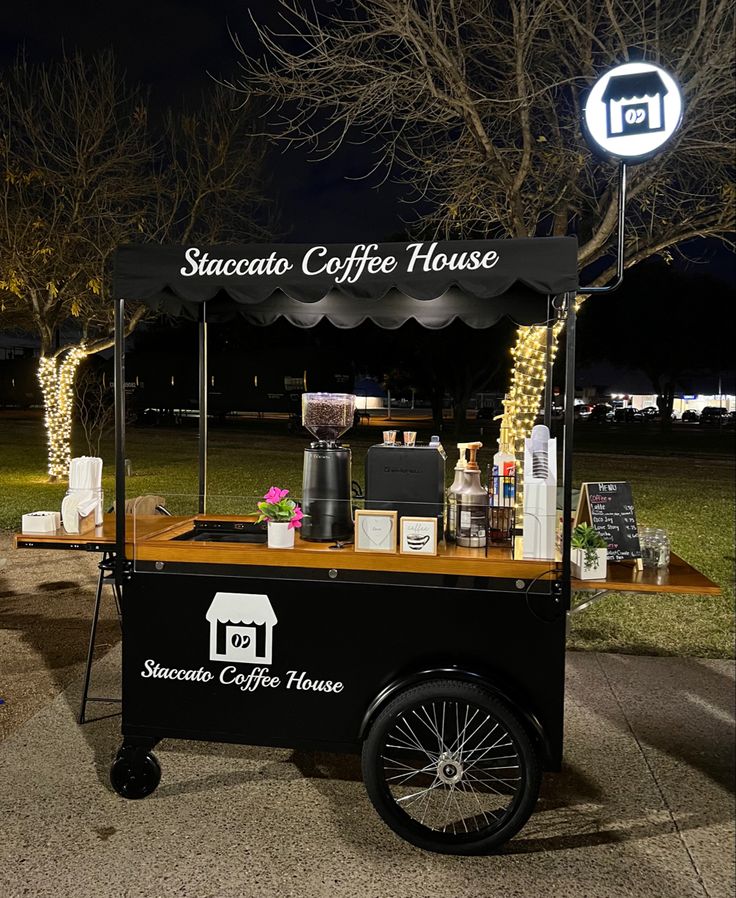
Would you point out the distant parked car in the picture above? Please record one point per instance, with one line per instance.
(690, 415)
(601, 413)
(714, 414)
(626, 414)
(582, 411)
(652, 413)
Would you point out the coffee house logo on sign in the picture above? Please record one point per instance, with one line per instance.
(632, 111)
(241, 628)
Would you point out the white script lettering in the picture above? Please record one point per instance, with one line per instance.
(201, 264)
(258, 676)
(465, 261)
(152, 669)
(301, 681)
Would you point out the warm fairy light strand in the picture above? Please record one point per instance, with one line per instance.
(57, 385)
(522, 402)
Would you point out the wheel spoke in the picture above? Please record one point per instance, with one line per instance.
(408, 775)
(459, 810)
(470, 791)
(417, 742)
(470, 779)
(468, 738)
(413, 743)
(432, 727)
(417, 794)
(428, 800)
(444, 805)
(477, 760)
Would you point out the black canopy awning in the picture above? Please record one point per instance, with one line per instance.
(476, 281)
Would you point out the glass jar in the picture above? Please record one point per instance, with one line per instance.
(655, 548)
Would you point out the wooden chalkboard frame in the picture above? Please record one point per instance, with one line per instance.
(586, 515)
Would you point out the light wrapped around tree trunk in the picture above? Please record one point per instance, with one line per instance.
(56, 377)
(526, 389)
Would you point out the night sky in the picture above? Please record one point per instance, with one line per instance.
(172, 45)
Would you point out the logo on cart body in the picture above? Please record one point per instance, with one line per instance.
(241, 627)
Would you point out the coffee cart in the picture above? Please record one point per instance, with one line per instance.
(446, 671)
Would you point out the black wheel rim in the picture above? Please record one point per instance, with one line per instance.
(452, 767)
(135, 781)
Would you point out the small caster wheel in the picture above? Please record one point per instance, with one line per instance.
(135, 773)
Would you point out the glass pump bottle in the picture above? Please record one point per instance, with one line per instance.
(452, 492)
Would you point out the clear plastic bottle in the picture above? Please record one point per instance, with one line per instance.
(504, 467)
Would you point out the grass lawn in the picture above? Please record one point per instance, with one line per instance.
(684, 483)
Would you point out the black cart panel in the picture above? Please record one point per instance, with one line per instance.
(277, 661)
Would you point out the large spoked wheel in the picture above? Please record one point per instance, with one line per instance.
(450, 768)
(135, 773)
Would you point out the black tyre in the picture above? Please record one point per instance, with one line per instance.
(450, 768)
(135, 773)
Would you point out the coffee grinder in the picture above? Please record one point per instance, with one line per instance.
(327, 480)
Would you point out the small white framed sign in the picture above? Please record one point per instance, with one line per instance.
(375, 531)
(418, 536)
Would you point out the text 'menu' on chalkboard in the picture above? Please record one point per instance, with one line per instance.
(609, 508)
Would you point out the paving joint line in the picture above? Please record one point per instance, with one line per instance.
(663, 797)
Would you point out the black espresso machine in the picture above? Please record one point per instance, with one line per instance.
(407, 479)
(327, 480)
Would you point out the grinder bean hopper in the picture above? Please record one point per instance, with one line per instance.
(327, 476)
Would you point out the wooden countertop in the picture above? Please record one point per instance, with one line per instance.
(150, 538)
(137, 527)
(679, 577)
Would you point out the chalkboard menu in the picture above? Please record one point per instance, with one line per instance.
(609, 507)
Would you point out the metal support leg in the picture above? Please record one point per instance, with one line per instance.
(91, 646)
(593, 600)
(116, 596)
(105, 568)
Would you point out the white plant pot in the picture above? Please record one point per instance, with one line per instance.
(596, 571)
(280, 536)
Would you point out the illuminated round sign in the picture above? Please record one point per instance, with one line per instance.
(632, 111)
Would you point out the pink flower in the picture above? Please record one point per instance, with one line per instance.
(296, 521)
(275, 495)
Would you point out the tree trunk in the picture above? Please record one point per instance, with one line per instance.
(437, 411)
(460, 414)
(526, 390)
(56, 377)
(665, 404)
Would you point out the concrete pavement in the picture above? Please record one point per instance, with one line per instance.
(644, 806)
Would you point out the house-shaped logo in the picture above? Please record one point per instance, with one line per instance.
(241, 627)
(635, 103)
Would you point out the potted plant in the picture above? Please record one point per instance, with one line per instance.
(589, 553)
(283, 516)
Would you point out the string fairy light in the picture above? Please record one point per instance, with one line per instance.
(528, 379)
(57, 385)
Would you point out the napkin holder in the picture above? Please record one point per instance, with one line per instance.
(79, 513)
(41, 522)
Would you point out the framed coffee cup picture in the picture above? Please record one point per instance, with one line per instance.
(375, 531)
(418, 536)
